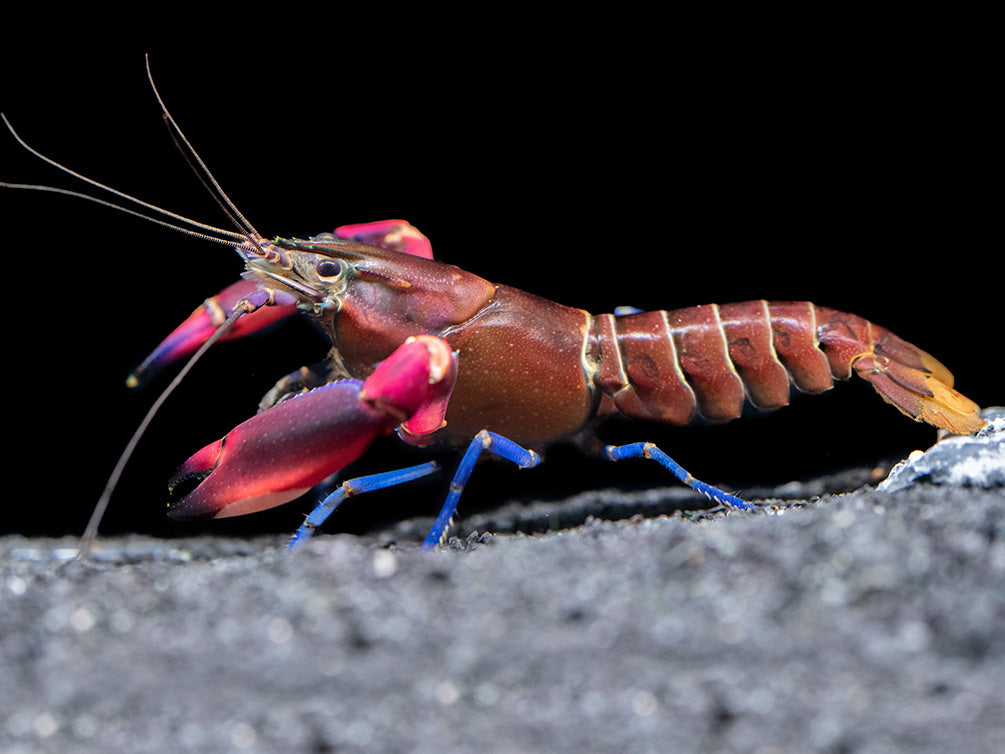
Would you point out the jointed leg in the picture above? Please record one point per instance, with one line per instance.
(484, 440)
(653, 453)
(356, 487)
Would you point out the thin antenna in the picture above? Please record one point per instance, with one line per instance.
(91, 532)
(218, 193)
(153, 207)
(120, 208)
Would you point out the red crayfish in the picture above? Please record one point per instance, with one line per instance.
(433, 352)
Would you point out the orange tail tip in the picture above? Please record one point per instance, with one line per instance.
(924, 393)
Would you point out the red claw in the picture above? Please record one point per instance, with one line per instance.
(279, 454)
(200, 325)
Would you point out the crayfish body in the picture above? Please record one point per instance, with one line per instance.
(431, 351)
(529, 371)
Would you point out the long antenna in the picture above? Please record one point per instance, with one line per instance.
(128, 197)
(120, 208)
(229, 208)
(91, 532)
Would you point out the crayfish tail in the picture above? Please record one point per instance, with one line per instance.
(923, 394)
(914, 381)
(720, 356)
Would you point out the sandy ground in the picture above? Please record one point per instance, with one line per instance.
(866, 622)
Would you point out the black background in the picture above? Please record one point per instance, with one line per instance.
(645, 172)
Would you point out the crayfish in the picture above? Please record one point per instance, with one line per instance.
(432, 352)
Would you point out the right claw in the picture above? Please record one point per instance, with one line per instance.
(279, 454)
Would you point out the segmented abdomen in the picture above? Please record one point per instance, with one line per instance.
(672, 365)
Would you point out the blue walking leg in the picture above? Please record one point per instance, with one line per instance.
(356, 487)
(484, 440)
(650, 451)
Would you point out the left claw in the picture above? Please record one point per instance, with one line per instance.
(282, 452)
(185, 339)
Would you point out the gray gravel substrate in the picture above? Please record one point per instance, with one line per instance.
(869, 622)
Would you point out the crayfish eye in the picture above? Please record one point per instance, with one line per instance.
(328, 270)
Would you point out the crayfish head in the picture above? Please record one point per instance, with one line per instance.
(370, 299)
(311, 269)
